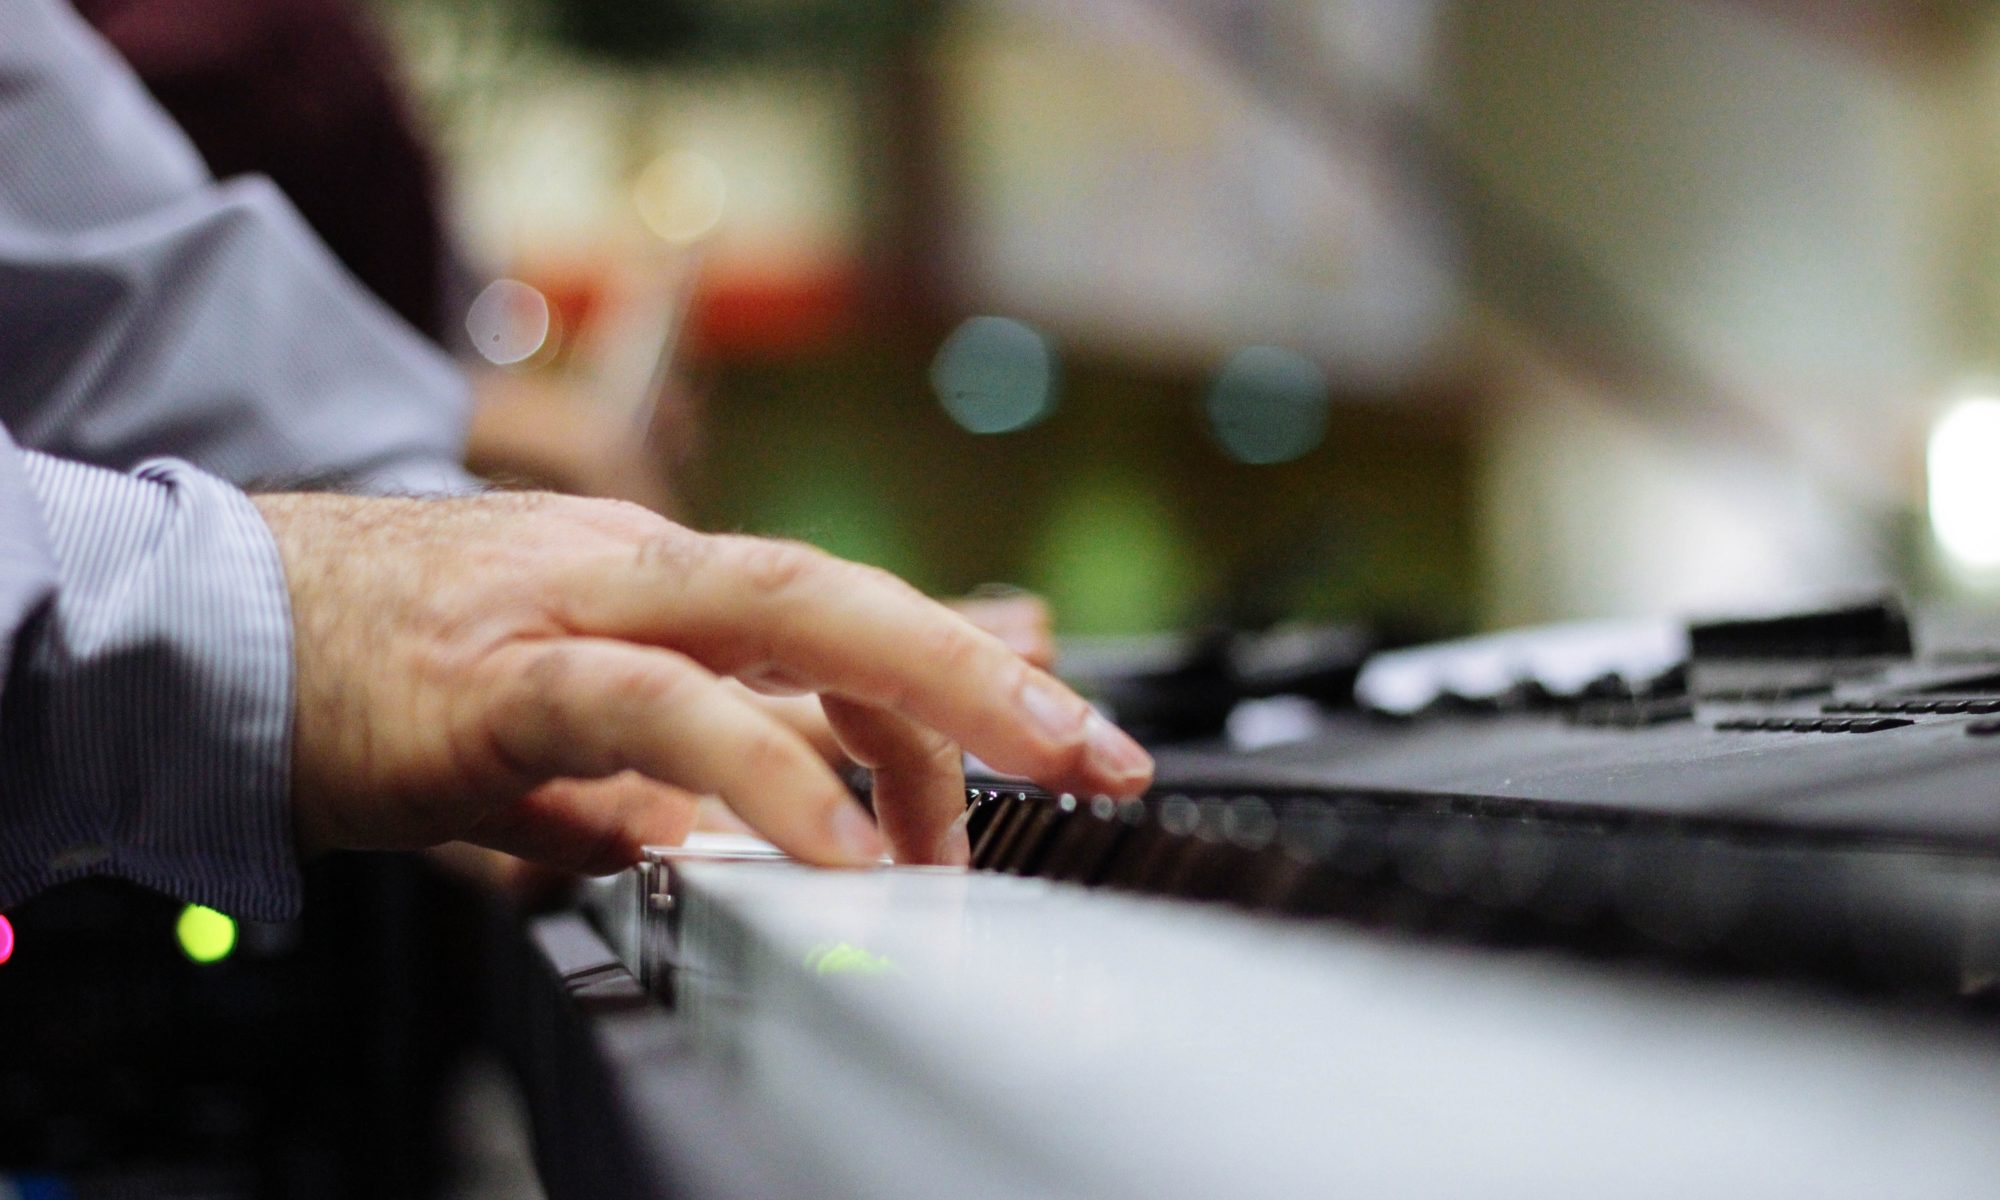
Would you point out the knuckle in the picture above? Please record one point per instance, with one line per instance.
(941, 752)
(951, 648)
(767, 754)
(668, 549)
(515, 723)
(544, 678)
(776, 566)
(897, 693)
(649, 687)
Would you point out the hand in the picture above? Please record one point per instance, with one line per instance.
(546, 676)
(1020, 620)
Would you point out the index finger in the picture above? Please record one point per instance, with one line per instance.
(784, 612)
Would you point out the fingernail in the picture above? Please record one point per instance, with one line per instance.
(955, 850)
(1113, 752)
(1055, 713)
(855, 833)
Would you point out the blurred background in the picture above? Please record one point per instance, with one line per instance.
(1429, 314)
(1417, 316)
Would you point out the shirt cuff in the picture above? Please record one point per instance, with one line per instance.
(149, 718)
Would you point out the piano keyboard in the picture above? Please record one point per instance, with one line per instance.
(1731, 894)
(1347, 966)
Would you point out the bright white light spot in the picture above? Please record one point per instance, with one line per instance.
(681, 196)
(508, 322)
(1273, 721)
(1965, 483)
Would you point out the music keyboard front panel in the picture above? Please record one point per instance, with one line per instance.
(926, 1032)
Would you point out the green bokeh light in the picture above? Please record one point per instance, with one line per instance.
(205, 935)
(1114, 559)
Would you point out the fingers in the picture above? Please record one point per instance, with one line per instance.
(919, 782)
(585, 708)
(1020, 620)
(802, 714)
(784, 613)
(590, 827)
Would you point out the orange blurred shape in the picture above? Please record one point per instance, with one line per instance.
(774, 315)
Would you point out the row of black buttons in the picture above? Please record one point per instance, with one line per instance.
(1914, 706)
(1811, 724)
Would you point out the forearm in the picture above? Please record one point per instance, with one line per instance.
(147, 310)
(216, 330)
(145, 725)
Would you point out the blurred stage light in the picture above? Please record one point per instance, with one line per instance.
(681, 197)
(1964, 462)
(205, 935)
(6, 939)
(995, 375)
(1268, 405)
(508, 322)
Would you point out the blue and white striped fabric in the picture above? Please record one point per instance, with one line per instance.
(145, 657)
(146, 725)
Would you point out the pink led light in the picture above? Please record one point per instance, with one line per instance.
(6, 939)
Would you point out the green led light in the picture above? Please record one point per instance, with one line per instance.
(206, 935)
(846, 959)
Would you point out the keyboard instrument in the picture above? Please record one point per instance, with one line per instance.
(1727, 924)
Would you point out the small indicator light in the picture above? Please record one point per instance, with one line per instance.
(846, 959)
(6, 939)
(206, 936)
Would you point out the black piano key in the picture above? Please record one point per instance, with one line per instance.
(1388, 860)
(1652, 879)
(1025, 853)
(1788, 917)
(1098, 842)
(1140, 854)
(1572, 894)
(1441, 856)
(1185, 872)
(1250, 823)
(1250, 828)
(1027, 806)
(983, 804)
(1012, 809)
(1081, 841)
(1307, 833)
(1208, 867)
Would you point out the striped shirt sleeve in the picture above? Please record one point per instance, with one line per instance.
(145, 725)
